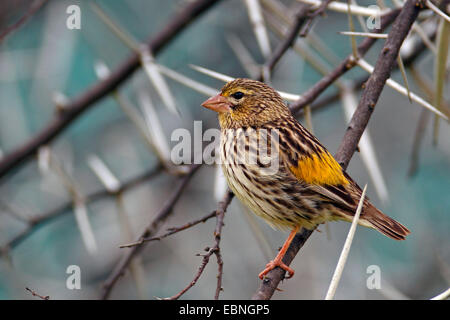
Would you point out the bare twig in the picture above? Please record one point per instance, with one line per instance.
(172, 230)
(319, 11)
(35, 294)
(301, 16)
(151, 229)
(220, 213)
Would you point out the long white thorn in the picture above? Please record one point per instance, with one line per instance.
(158, 81)
(188, 82)
(398, 87)
(108, 179)
(344, 254)
(437, 10)
(154, 125)
(342, 7)
(257, 20)
(225, 78)
(443, 296)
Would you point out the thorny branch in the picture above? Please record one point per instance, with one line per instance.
(34, 223)
(220, 214)
(150, 230)
(374, 86)
(311, 94)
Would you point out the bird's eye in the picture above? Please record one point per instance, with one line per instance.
(237, 95)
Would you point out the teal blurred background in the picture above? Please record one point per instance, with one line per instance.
(45, 57)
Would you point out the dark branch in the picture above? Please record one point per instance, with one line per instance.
(35, 294)
(172, 230)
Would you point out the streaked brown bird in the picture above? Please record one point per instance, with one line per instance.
(281, 171)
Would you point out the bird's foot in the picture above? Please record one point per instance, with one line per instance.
(277, 263)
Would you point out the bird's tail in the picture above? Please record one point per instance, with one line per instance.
(376, 219)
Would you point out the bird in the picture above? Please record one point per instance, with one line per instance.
(281, 171)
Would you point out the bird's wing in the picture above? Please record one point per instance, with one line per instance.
(312, 165)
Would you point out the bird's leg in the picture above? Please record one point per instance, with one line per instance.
(277, 262)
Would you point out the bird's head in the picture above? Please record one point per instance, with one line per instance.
(247, 103)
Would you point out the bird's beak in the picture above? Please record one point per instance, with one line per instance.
(217, 103)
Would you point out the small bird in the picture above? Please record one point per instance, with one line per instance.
(281, 171)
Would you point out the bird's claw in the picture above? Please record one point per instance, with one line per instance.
(277, 263)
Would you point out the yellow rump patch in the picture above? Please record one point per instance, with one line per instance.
(321, 170)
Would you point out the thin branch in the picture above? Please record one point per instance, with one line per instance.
(219, 213)
(151, 229)
(35, 294)
(172, 230)
(101, 89)
(319, 11)
(31, 11)
(301, 15)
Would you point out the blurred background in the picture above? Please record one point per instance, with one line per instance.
(44, 63)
